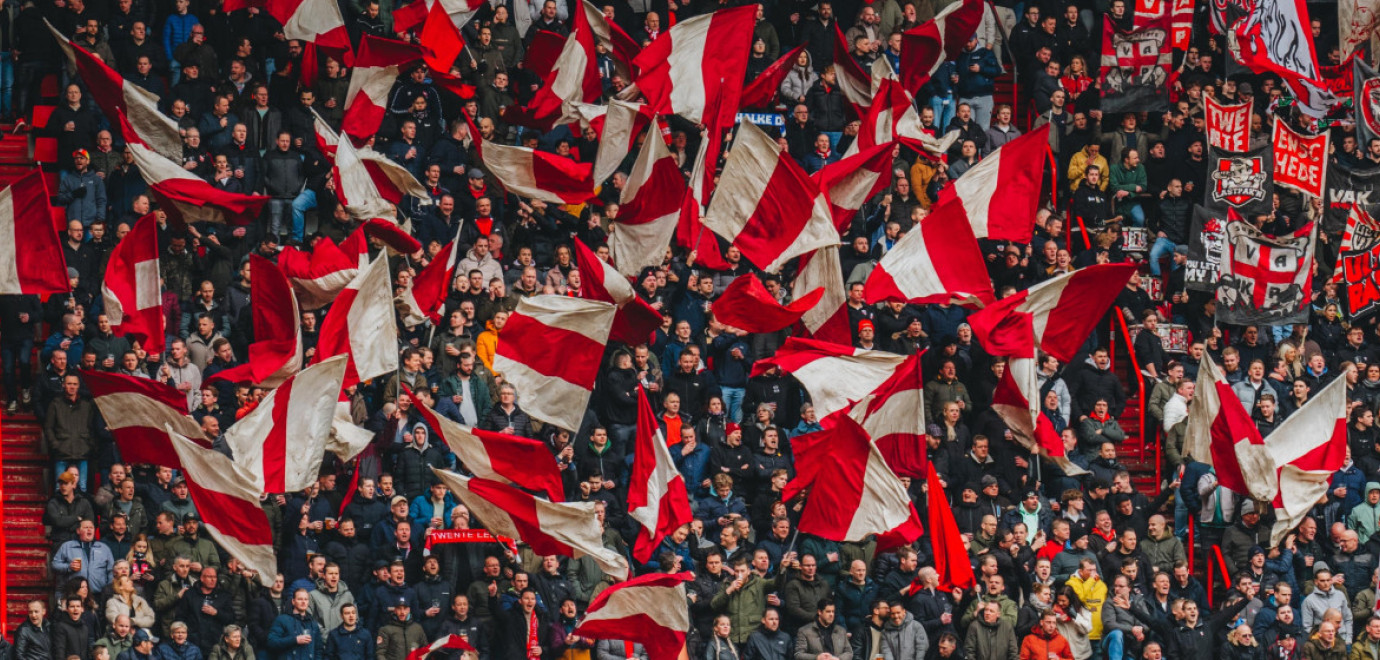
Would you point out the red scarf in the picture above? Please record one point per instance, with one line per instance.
(532, 637)
(1101, 418)
(486, 225)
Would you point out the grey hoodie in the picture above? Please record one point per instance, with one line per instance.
(907, 641)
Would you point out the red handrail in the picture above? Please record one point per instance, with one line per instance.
(4, 544)
(1119, 323)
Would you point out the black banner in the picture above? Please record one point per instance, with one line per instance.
(1206, 241)
(1243, 182)
(1265, 281)
(1345, 187)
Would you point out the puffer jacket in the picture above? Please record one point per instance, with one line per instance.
(325, 606)
(798, 82)
(827, 107)
(399, 638)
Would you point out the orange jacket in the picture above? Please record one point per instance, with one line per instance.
(1036, 646)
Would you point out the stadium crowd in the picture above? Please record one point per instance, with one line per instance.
(1068, 566)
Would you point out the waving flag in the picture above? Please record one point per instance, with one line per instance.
(367, 182)
(138, 412)
(1017, 401)
(927, 46)
(635, 320)
(276, 352)
(1001, 193)
(766, 205)
(696, 68)
(188, 198)
(657, 498)
(650, 210)
(361, 324)
(827, 321)
(762, 90)
(950, 555)
(299, 413)
(426, 297)
(26, 219)
(228, 502)
(835, 375)
(133, 292)
(747, 305)
(938, 261)
(850, 182)
(508, 459)
(317, 277)
(893, 415)
(570, 529)
(1307, 448)
(377, 67)
(649, 610)
(550, 350)
(1055, 316)
(574, 78)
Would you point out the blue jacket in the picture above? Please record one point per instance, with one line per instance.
(357, 644)
(176, 30)
(940, 84)
(981, 83)
(814, 162)
(422, 511)
(88, 205)
(1354, 480)
(728, 371)
(691, 466)
(169, 651)
(282, 638)
(54, 343)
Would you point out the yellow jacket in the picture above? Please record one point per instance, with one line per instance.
(1093, 593)
(921, 173)
(1079, 164)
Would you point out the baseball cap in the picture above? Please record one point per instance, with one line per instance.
(143, 635)
(396, 499)
(476, 173)
(934, 430)
(81, 153)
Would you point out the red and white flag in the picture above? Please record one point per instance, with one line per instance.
(927, 46)
(388, 235)
(620, 47)
(571, 529)
(1002, 192)
(649, 610)
(1055, 316)
(1239, 456)
(747, 305)
(26, 219)
(893, 415)
(696, 68)
(856, 84)
(1228, 126)
(361, 324)
(300, 412)
(853, 494)
(1017, 401)
(318, 276)
(893, 117)
(835, 375)
(132, 291)
(314, 21)
(138, 412)
(618, 125)
(1307, 448)
(508, 459)
(574, 78)
(452, 642)
(1275, 37)
(377, 67)
(766, 205)
(938, 261)
(228, 503)
(276, 353)
(415, 13)
(657, 498)
(116, 96)
(827, 321)
(536, 174)
(367, 182)
(550, 350)
(635, 320)
(1301, 161)
(650, 209)
(850, 182)
(426, 297)
(187, 197)
(762, 90)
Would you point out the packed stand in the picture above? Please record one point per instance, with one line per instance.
(1068, 566)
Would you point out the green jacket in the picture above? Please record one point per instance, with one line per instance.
(200, 551)
(992, 642)
(1128, 180)
(399, 638)
(745, 606)
(1009, 610)
(1365, 518)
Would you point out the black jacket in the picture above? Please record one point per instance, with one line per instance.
(70, 637)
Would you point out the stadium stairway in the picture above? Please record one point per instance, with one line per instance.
(24, 546)
(23, 468)
(1140, 451)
